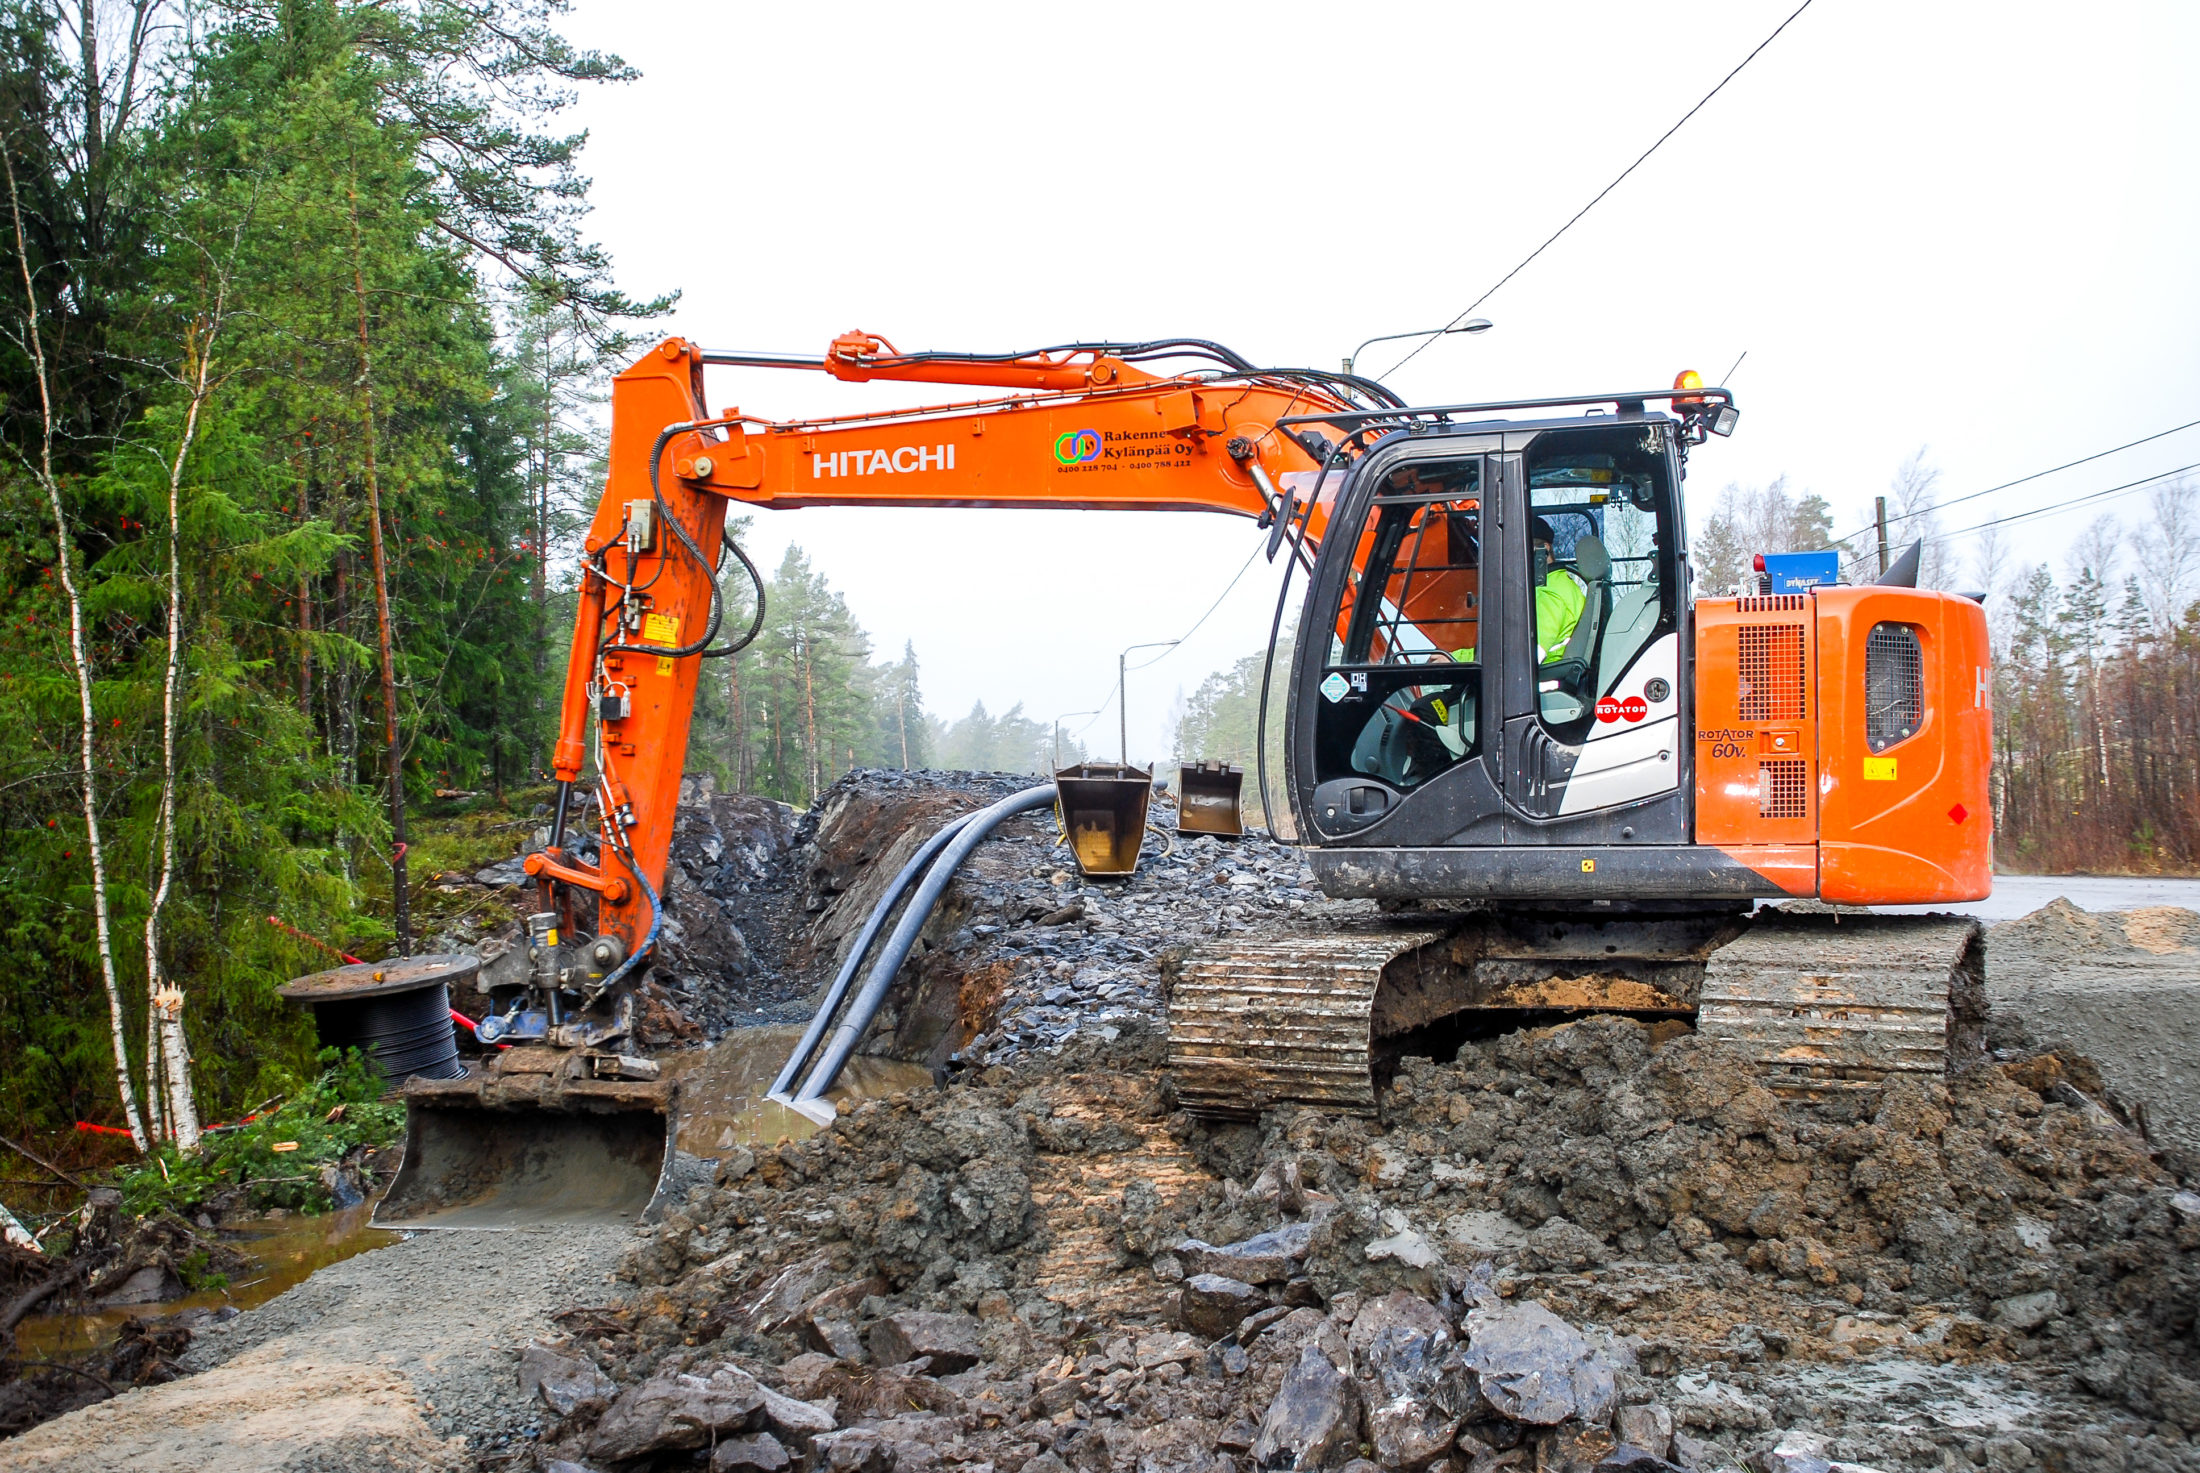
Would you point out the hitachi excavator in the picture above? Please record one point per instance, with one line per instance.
(1555, 824)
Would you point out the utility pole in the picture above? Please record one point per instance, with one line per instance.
(1058, 731)
(1122, 683)
(1880, 512)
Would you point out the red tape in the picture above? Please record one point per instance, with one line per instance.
(88, 1128)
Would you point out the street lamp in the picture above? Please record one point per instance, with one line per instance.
(1472, 324)
(1122, 685)
(1058, 731)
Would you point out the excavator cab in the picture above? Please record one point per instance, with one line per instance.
(1465, 695)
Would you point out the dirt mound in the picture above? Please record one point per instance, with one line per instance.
(1764, 1264)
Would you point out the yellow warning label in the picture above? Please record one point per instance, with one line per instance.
(1588, 866)
(662, 629)
(1879, 769)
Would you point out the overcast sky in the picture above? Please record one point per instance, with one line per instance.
(1966, 227)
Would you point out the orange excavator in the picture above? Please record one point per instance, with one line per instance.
(1557, 820)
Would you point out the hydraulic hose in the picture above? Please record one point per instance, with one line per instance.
(800, 1058)
(866, 1004)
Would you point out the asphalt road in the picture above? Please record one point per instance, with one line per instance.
(2020, 895)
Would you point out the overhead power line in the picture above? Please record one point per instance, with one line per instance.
(2019, 481)
(1607, 189)
(1187, 634)
(2047, 511)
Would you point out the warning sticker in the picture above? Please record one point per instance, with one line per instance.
(1334, 687)
(662, 629)
(1879, 769)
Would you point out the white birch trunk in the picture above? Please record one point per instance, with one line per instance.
(167, 1003)
(82, 662)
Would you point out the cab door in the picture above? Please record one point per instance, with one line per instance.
(1594, 742)
(1386, 734)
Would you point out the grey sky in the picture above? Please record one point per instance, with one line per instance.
(1968, 227)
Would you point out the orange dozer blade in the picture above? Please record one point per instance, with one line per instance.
(1102, 806)
(1207, 799)
(480, 1153)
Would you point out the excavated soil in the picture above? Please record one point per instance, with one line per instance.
(1015, 1267)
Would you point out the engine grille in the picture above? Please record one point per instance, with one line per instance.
(1771, 672)
(1894, 685)
(1783, 788)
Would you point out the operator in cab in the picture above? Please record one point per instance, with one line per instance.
(1560, 596)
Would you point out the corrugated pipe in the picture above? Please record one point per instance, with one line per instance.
(958, 840)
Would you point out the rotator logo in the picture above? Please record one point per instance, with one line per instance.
(1077, 447)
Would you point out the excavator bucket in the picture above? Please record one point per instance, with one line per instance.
(1207, 799)
(526, 1139)
(1102, 806)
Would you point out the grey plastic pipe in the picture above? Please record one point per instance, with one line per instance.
(872, 925)
(810, 1099)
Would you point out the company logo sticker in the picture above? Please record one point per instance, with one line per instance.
(1608, 709)
(1077, 447)
(1634, 708)
(1333, 689)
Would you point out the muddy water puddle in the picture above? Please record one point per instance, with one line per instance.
(723, 1088)
(284, 1253)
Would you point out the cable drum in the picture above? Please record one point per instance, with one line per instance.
(397, 1012)
(405, 1033)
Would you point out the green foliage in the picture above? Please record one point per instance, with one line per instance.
(332, 209)
(339, 1111)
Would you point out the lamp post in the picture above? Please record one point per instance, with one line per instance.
(1058, 731)
(1122, 688)
(1472, 324)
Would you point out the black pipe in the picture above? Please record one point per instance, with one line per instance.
(866, 1005)
(876, 922)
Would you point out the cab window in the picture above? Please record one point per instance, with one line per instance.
(1600, 546)
(1400, 694)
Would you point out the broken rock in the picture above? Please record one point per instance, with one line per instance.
(668, 1413)
(796, 1421)
(1215, 1305)
(857, 1450)
(1649, 1428)
(1699, 1401)
(951, 1340)
(562, 1381)
(1313, 1421)
(1536, 1368)
(1265, 1258)
(758, 1453)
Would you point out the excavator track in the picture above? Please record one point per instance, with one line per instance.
(1828, 1004)
(1277, 1019)
(1823, 1005)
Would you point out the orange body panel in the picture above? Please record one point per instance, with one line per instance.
(1756, 721)
(1784, 757)
(1910, 824)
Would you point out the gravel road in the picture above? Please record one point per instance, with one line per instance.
(403, 1358)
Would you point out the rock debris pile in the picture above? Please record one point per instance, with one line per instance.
(1591, 1246)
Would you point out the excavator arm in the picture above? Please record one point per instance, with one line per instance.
(1082, 427)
